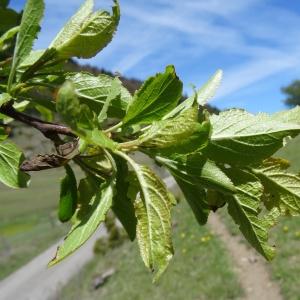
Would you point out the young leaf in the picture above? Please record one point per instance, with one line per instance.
(153, 212)
(94, 90)
(157, 96)
(282, 188)
(80, 118)
(183, 106)
(182, 134)
(10, 160)
(114, 93)
(242, 138)
(86, 33)
(8, 35)
(288, 116)
(208, 90)
(4, 97)
(68, 195)
(197, 169)
(244, 209)
(195, 195)
(32, 15)
(67, 104)
(95, 200)
(202, 96)
(122, 202)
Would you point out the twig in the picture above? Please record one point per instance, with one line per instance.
(48, 129)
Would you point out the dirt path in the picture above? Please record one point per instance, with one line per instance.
(249, 266)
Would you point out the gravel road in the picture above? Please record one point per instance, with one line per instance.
(35, 281)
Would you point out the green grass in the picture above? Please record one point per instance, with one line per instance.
(28, 222)
(201, 269)
(41, 195)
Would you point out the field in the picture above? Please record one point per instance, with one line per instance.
(28, 222)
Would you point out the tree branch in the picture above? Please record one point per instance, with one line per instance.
(48, 129)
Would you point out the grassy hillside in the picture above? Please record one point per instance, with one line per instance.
(201, 269)
(28, 222)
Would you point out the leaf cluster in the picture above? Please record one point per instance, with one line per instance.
(217, 161)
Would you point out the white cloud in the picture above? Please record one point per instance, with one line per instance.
(264, 38)
(256, 70)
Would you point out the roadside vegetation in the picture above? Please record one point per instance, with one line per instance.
(201, 269)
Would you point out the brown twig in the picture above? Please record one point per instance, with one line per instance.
(48, 129)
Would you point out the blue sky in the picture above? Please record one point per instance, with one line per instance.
(255, 42)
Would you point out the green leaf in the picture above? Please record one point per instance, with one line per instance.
(281, 188)
(8, 35)
(153, 212)
(183, 106)
(98, 164)
(68, 195)
(3, 134)
(157, 96)
(122, 202)
(244, 209)
(202, 96)
(80, 118)
(114, 93)
(241, 138)
(4, 98)
(10, 160)
(37, 61)
(215, 200)
(288, 116)
(86, 33)
(67, 104)
(4, 3)
(182, 134)
(94, 91)
(29, 28)
(95, 200)
(9, 19)
(197, 169)
(209, 89)
(195, 195)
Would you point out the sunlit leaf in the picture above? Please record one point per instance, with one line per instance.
(242, 138)
(94, 91)
(182, 134)
(95, 202)
(281, 187)
(153, 212)
(29, 28)
(10, 160)
(157, 96)
(86, 33)
(244, 208)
